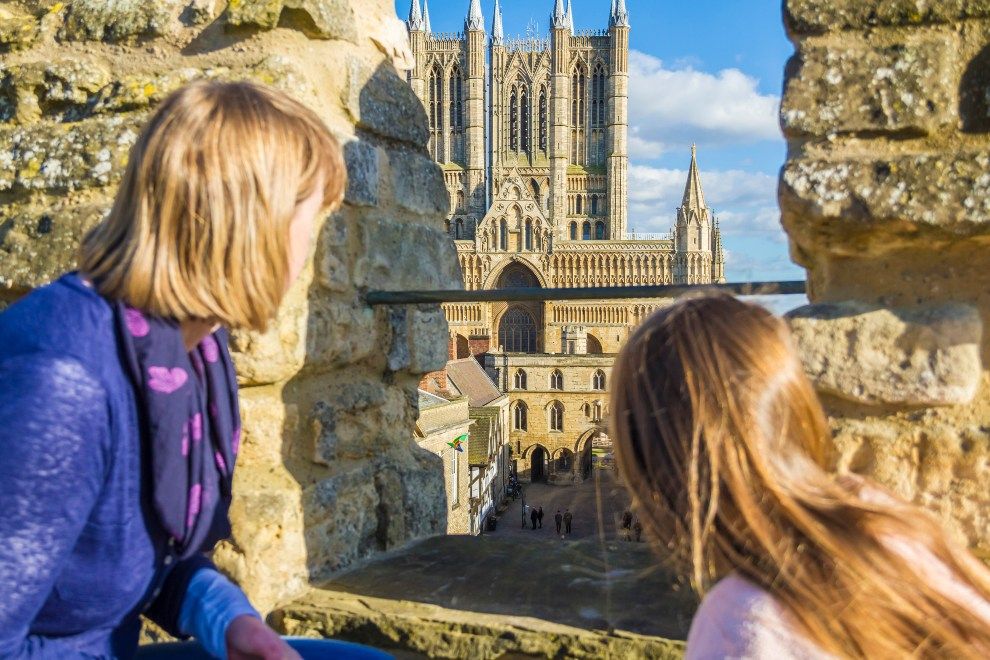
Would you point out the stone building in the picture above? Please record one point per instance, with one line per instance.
(531, 134)
(441, 421)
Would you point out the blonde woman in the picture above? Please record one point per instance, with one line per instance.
(119, 425)
(722, 440)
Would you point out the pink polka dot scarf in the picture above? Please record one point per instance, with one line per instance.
(190, 425)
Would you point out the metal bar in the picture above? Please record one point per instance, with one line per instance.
(376, 298)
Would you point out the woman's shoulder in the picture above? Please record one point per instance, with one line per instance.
(65, 317)
(739, 619)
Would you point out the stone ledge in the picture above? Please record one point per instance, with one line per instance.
(927, 356)
(816, 17)
(906, 87)
(849, 198)
(437, 632)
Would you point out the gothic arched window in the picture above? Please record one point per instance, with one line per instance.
(524, 119)
(436, 113)
(519, 380)
(456, 101)
(556, 380)
(573, 231)
(503, 235)
(598, 108)
(519, 421)
(594, 205)
(513, 122)
(556, 415)
(586, 231)
(459, 229)
(599, 231)
(580, 205)
(578, 115)
(529, 234)
(544, 123)
(598, 381)
(517, 332)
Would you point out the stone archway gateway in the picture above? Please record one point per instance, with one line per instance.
(539, 459)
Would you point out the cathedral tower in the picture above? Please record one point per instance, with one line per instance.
(560, 40)
(474, 27)
(697, 243)
(618, 120)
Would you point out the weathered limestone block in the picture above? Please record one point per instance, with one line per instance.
(908, 86)
(413, 503)
(383, 103)
(419, 339)
(816, 16)
(18, 29)
(120, 20)
(63, 158)
(344, 420)
(341, 519)
(404, 256)
(326, 19)
(922, 357)
(880, 203)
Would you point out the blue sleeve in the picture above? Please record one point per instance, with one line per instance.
(54, 443)
(211, 603)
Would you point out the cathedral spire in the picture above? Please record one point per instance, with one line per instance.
(415, 22)
(558, 20)
(475, 19)
(497, 34)
(620, 15)
(694, 196)
(570, 16)
(427, 28)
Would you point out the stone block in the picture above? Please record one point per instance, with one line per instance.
(428, 340)
(412, 495)
(927, 356)
(400, 256)
(121, 20)
(417, 183)
(345, 424)
(381, 102)
(17, 29)
(339, 332)
(906, 87)
(321, 19)
(341, 520)
(947, 192)
(816, 16)
(64, 158)
(362, 173)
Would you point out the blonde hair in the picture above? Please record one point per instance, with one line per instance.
(722, 442)
(200, 225)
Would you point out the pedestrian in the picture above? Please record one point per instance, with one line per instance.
(722, 439)
(567, 521)
(627, 525)
(533, 516)
(559, 519)
(539, 517)
(638, 530)
(102, 518)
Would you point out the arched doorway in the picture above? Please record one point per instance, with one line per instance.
(538, 464)
(563, 461)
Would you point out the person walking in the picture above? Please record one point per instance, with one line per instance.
(567, 521)
(638, 530)
(627, 519)
(539, 517)
(559, 519)
(533, 516)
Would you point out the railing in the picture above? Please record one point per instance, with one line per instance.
(638, 236)
(376, 298)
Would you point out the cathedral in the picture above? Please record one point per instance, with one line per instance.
(531, 133)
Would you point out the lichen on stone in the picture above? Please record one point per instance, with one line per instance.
(119, 20)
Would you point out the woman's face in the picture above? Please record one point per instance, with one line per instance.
(301, 233)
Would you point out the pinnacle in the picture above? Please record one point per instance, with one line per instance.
(497, 30)
(694, 196)
(558, 20)
(415, 21)
(475, 19)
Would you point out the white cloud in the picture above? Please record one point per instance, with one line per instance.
(681, 105)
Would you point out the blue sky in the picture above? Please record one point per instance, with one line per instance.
(704, 71)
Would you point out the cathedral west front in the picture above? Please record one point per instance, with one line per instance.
(531, 133)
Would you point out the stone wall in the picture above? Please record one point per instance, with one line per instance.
(329, 472)
(885, 198)
(442, 423)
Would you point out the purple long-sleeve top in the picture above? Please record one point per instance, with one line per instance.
(81, 556)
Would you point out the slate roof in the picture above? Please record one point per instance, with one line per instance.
(472, 381)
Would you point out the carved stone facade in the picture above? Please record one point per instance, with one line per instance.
(532, 136)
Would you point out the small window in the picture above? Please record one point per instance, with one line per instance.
(599, 231)
(519, 382)
(580, 205)
(556, 380)
(556, 417)
(459, 229)
(503, 238)
(594, 205)
(586, 231)
(573, 231)
(598, 381)
(519, 422)
(529, 235)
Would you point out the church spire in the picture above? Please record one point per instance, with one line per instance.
(620, 15)
(558, 20)
(427, 28)
(415, 22)
(694, 196)
(497, 34)
(475, 19)
(570, 16)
